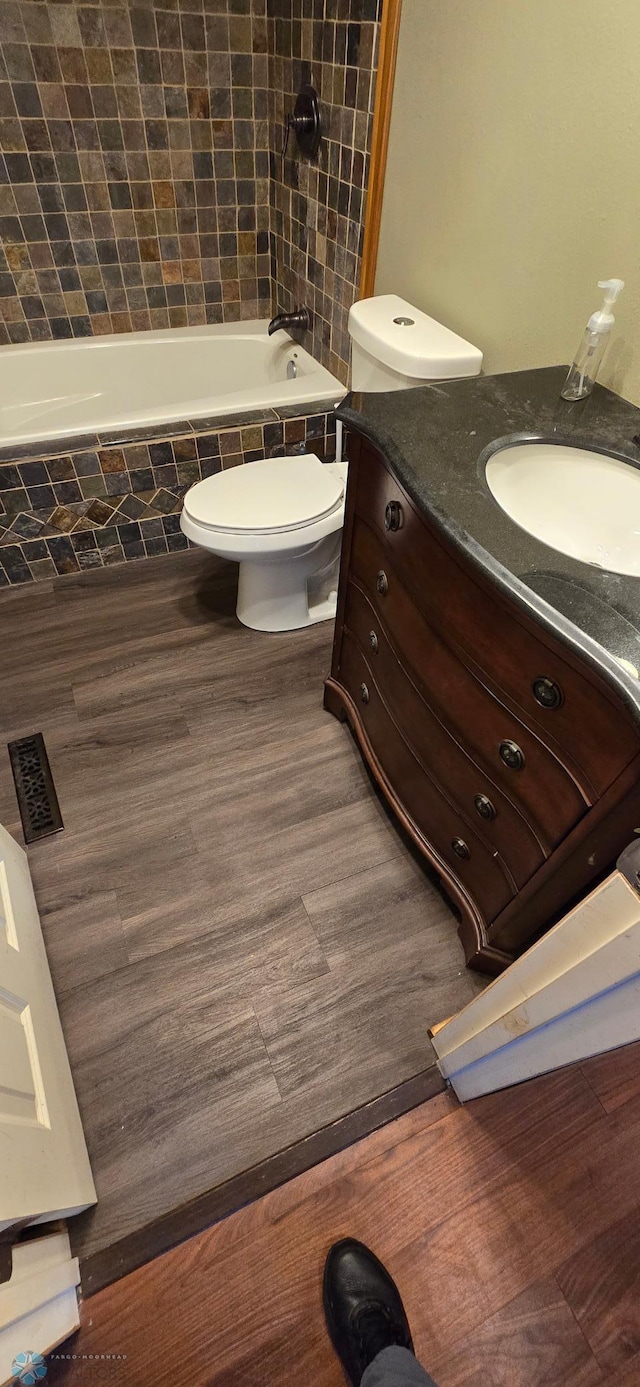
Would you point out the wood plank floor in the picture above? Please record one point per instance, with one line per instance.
(243, 947)
(511, 1225)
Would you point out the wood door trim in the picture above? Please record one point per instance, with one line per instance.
(100, 1269)
(388, 52)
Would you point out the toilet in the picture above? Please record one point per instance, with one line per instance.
(281, 518)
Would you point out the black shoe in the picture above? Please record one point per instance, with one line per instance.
(362, 1307)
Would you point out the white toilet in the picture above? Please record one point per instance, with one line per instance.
(281, 519)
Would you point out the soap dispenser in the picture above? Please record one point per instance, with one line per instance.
(583, 374)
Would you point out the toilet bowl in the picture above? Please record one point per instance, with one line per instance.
(281, 520)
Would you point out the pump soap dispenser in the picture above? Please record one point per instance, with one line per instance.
(583, 374)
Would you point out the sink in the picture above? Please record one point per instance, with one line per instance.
(582, 503)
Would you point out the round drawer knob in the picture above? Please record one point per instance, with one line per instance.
(512, 755)
(382, 583)
(373, 642)
(460, 848)
(547, 693)
(364, 693)
(393, 516)
(484, 807)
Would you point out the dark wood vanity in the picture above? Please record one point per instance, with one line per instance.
(511, 762)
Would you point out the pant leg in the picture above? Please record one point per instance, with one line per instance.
(396, 1367)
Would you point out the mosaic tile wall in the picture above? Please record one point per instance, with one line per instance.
(106, 503)
(134, 176)
(136, 185)
(317, 208)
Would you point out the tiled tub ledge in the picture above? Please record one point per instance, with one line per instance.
(94, 507)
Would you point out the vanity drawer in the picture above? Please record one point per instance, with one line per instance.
(586, 726)
(433, 815)
(498, 822)
(543, 790)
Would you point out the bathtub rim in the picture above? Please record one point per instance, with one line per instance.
(290, 393)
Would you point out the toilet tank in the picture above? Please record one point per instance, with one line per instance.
(395, 346)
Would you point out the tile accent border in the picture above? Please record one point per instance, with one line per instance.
(91, 507)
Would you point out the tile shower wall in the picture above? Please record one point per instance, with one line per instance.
(317, 208)
(134, 177)
(136, 185)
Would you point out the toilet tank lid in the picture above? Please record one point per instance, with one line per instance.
(421, 348)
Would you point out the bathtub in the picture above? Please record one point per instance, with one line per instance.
(52, 390)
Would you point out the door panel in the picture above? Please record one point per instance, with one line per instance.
(44, 1167)
(21, 1095)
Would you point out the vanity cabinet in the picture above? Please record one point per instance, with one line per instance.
(508, 758)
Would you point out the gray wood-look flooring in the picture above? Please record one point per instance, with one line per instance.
(242, 944)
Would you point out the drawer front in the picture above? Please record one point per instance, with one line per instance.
(498, 823)
(544, 792)
(436, 819)
(592, 731)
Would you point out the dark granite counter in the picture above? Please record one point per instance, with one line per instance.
(436, 439)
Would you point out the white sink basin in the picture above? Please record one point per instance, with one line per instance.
(584, 504)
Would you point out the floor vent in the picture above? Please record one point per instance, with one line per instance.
(37, 798)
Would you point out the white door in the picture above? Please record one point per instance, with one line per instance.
(44, 1167)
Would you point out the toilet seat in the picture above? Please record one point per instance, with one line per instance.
(271, 496)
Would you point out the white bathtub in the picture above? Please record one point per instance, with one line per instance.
(52, 390)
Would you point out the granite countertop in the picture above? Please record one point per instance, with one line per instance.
(435, 437)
